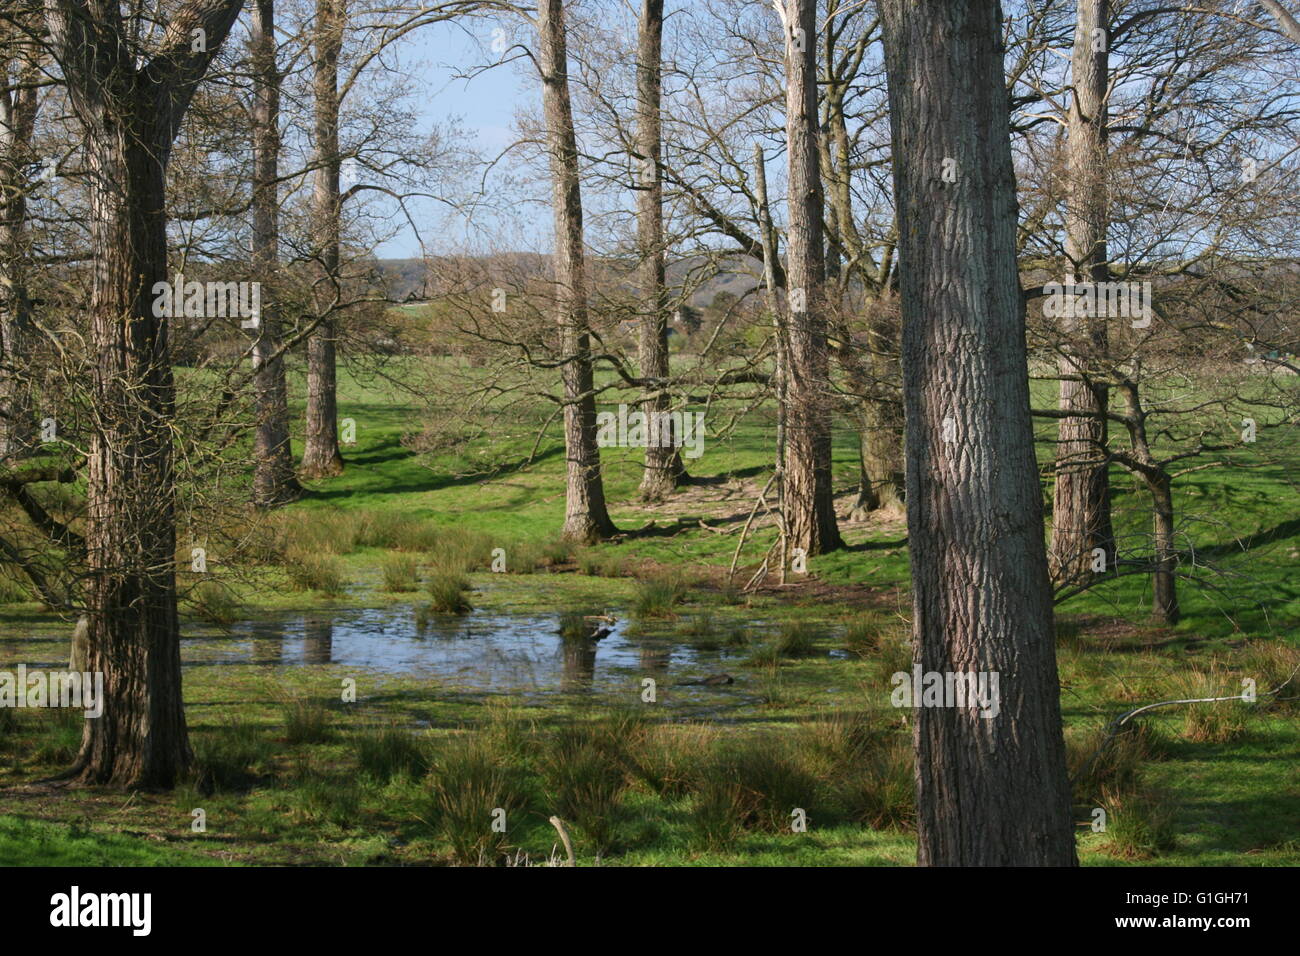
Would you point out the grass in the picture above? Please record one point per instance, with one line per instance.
(447, 593)
(389, 751)
(400, 571)
(412, 773)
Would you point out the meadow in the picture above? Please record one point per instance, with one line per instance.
(288, 770)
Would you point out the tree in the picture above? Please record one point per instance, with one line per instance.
(321, 457)
(990, 791)
(19, 88)
(1081, 519)
(663, 462)
(273, 478)
(586, 518)
(808, 493)
(130, 106)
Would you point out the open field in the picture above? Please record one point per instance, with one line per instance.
(448, 724)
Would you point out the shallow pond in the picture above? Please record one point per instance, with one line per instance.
(479, 651)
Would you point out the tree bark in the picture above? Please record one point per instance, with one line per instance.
(664, 470)
(991, 791)
(1164, 584)
(586, 517)
(321, 457)
(274, 482)
(131, 116)
(1081, 499)
(809, 494)
(18, 105)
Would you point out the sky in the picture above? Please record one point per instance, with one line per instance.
(486, 104)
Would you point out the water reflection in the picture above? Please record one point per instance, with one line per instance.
(318, 640)
(477, 651)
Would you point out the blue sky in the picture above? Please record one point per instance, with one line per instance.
(485, 103)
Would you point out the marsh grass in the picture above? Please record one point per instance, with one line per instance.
(389, 751)
(306, 722)
(864, 634)
(316, 796)
(1117, 767)
(751, 783)
(447, 593)
(314, 571)
(585, 768)
(1220, 722)
(400, 573)
(659, 596)
(465, 786)
(1139, 823)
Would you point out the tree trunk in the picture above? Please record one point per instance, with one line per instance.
(273, 478)
(809, 494)
(321, 457)
(1164, 582)
(134, 635)
(780, 333)
(1081, 499)
(17, 125)
(663, 465)
(586, 518)
(991, 790)
(130, 117)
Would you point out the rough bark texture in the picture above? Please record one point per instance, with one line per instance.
(130, 117)
(809, 495)
(767, 234)
(1081, 501)
(1164, 584)
(586, 518)
(989, 791)
(274, 482)
(18, 105)
(321, 458)
(663, 465)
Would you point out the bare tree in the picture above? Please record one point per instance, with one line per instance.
(20, 79)
(131, 110)
(586, 517)
(321, 457)
(808, 492)
(1081, 519)
(663, 461)
(991, 790)
(274, 482)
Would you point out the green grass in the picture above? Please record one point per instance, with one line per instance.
(1203, 786)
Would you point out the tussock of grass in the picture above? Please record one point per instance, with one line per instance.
(317, 571)
(447, 593)
(306, 722)
(659, 596)
(586, 770)
(1213, 723)
(1139, 823)
(466, 785)
(389, 751)
(400, 572)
